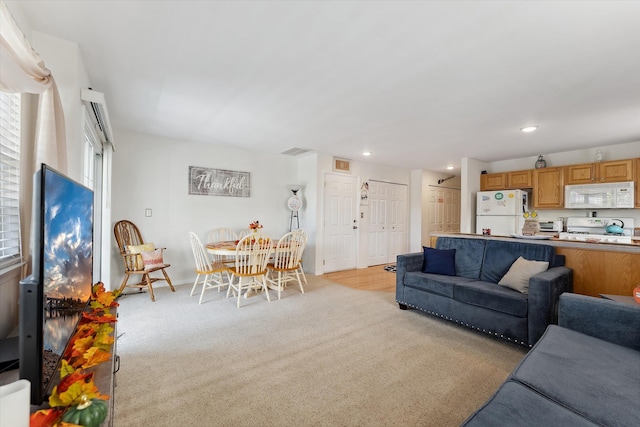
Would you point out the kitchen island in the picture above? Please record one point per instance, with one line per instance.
(598, 268)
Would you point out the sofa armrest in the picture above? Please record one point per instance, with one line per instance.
(406, 263)
(608, 320)
(544, 291)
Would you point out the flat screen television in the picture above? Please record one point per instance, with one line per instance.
(54, 296)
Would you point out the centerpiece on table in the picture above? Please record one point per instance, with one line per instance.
(255, 226)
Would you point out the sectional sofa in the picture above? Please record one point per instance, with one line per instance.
(459, 281)
(585, 371)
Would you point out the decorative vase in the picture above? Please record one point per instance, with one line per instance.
(541, 163)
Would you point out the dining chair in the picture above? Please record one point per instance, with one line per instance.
(139, 258)
(286, 261)
(250, 269)
(244, 232)
(223, 234)
(214, 271)
(305, 237)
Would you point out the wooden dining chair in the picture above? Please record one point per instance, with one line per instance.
(221, 234)
(215, 272)
(286, 262)
(139, 258)
(250, 270)
(305, 236)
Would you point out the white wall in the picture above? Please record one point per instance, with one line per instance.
(152, 172)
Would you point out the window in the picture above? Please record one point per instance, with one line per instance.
(10, 248)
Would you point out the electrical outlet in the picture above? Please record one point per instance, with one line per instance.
(147, 212)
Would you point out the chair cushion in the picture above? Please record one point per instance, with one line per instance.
(434, 283)
(439, 261)
(520, 272)
(152, 259)
(593, 377)
(516, 405)
(492, 296)
(138, 263)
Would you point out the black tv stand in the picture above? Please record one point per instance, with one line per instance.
(9, 353)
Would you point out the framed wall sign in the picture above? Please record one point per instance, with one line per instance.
(219, 182)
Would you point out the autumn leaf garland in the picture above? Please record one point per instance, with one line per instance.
(89, 346)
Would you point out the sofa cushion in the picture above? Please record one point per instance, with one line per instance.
(492, 296)
(434, 283)
(516, 405)
(469, 254)
(500, 255)
(520, 272)
(439, 261)
(591, 376)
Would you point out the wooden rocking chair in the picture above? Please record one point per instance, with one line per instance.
(128, 238)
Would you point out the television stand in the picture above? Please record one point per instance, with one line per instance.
(9, 353)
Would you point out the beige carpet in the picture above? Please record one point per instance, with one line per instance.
(334, 356)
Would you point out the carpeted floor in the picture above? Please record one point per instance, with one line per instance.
(334, 356)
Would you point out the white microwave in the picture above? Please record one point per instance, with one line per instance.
(615, 195)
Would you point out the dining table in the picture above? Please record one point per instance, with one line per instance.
(227, 249)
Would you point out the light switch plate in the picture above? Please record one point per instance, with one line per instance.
(147, 212)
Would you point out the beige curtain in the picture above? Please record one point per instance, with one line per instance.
(22, 70)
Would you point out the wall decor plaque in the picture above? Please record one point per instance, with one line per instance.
(219, 182)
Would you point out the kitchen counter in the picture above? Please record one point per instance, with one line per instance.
(598, 268)
(554, 241)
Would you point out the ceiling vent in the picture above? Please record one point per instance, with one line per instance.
(98, 107)
(295, 151)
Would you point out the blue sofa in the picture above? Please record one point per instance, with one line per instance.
(585, 371)
(474, 299)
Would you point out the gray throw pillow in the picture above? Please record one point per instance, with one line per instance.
(520, 272)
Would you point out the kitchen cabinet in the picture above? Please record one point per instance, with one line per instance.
(520, 179)
(548, 188)
(588, 173)
(493, 181)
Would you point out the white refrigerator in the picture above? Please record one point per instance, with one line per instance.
(501, 211)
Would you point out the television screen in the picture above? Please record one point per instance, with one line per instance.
(54, 297)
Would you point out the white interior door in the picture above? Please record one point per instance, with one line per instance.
(388, 222)
(397, 221)
(443, 212)
(340, 223)
(378, 240)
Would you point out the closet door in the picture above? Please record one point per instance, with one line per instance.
(387, 222)
(378, 241)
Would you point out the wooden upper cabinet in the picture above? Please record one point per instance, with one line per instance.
(615, 171)
(520, 179)
(548, 188)
(588, 173)
(493, 181)
(580, 174)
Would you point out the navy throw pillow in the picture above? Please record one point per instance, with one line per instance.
(439, 261)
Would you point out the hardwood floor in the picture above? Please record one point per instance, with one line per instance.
(373, 278)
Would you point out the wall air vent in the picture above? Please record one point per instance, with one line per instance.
(295, 151)
(98, 107)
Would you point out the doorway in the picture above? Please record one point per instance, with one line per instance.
(387, 222)
(340, 223)
(443, 212)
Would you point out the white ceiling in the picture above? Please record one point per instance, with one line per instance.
(420, 84)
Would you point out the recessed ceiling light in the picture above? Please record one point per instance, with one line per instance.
(449, 167)
(366, 153)
(529, 129)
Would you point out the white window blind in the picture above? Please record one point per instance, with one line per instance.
(10, 248)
